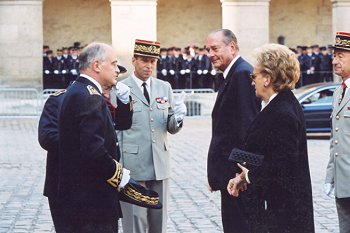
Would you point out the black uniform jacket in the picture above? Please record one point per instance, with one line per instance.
(48, 139)
(282, 183)
(88, 148)
(235, 108)
(48, 135)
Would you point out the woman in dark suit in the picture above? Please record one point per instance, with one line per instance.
(278, 196)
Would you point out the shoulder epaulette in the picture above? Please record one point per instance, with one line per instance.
(92, 90)
(57, 93)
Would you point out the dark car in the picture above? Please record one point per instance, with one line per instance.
(316, 101)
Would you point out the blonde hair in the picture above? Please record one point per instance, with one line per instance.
(280, 63)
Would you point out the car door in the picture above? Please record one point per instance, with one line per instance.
(317, 107)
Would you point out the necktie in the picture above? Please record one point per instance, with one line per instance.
(221, 81)
(145, 92)
(343, 85)
(111, 108)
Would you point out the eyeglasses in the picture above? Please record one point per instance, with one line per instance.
(253, 76)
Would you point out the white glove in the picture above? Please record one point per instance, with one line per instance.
(47, 72)
(74, 72)
(180, 108)
(164, 72)
(205, 71)
(122, 92)
(187, 71)
(172, 72)
(328, 189)
(64, 71)
(199, 72)
(213, 72)
(56, 71)
(182, 72)
(125, 178)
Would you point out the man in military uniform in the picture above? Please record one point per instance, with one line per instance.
(188, 71)
(48, 137)
(48, 67)
(144, 146)
(203, 65)
(338, 169)
(60, 70)
(162, 65)
(89, 174)
(73, 65)
(176, 64)
(326, 68)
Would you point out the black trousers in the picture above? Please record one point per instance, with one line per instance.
(232, 214)
(65, 224)
(58, 220)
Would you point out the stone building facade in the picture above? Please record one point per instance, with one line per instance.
(25, 25)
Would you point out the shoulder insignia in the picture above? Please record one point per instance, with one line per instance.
(57, 93)
(92, 90)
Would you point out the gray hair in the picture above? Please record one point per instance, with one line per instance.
(229, 36)
(91, 53)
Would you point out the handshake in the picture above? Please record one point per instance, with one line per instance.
(180, 108)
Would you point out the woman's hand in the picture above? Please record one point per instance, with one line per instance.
(239, 183)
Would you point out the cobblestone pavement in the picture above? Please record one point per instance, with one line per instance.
(192, 208)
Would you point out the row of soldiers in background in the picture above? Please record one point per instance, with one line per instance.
(315, 64)
(187, 69)
(60, 70)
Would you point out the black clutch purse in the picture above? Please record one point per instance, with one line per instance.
(242, 156)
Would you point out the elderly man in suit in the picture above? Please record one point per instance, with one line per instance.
(145, 150)
(89, 174)
(338, 169)
(235, 108)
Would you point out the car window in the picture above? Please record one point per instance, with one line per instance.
(320, 97)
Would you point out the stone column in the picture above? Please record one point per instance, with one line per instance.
(21, 41)
(249, 20)
(132, 19)
(341, 16)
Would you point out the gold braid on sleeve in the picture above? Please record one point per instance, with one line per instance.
(117, 177)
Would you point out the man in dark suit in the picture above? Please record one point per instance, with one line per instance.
(89, 174)
(48, 139)
(235, 108)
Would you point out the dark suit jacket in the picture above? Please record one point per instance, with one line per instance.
(283, 180)
(235, 108)
(88, 145)
(48, 139)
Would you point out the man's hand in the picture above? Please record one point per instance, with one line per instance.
(328, 189)
(125, 178)
(164, 72)
(209, 188)
(180, 108)
(122, 92)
